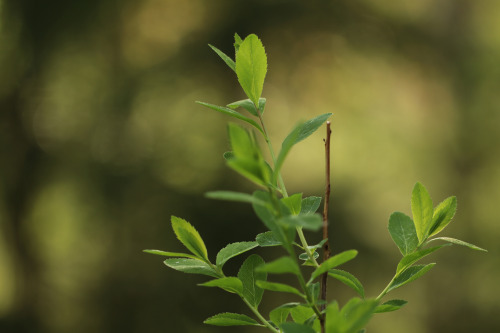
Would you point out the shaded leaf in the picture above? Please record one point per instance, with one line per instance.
(296, 328)
(409, 275)
(310, 205)
(251, 67)
(389, 306)
(279, 287)
(357, 313)
(267, 239)
(280, 266)
(230, 62)
(232, 113)
(309, 222)
(234, 196)
(310, 126)
(248, 105)
(231, 319)
(348, 279)
(192, 266)
(443, 214)
(422, 210)
(403, 232)
(280, 314)
(249, 276)
(189, 237)
(232, 250)
(231, 284)
(237, 42)
(459, 242)
(294, 203)
(412, 258)
(333, 262)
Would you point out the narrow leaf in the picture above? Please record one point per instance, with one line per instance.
(249, 106)
(443, 214)
(309, 222)
(232, 250)
(267, 239)
(296, 328)
(389, 306)
(248, 277)
(231, 284)
(459, 242)
(310, 205)
(409, 275)
(251, 67)
(333, 262)
(188, 236)
(191, 266)
(232, 113)
(348, 279)
(235, 196)
(231, 319)
(224, 57)
(422, 210)
(279, 287)
(170, 254)
(310, 126)
(280, 266)
(412, 258)
(403, 232)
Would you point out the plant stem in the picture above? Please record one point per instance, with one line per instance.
(385, 291)
(306, 246)
(261, 318)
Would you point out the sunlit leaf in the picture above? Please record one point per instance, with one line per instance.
(310, 126)
(422, 210)
(232, 113)
(443, 214)
(248, 105)
(230, 62)
(251, 67)
(333, 262)
(232, 250)
(231, 284)
(188, 236)
(191, 266)
(231, 319)
(409, 275)
(170, 254)
(403, 232)
(459, 242)
(412, 258)
(234, 196)
(279, 287)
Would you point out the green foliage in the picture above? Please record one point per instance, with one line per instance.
(286, 216)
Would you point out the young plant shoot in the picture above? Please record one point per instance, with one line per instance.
(286, 216)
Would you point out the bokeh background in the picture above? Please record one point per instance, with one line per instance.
(100, 142)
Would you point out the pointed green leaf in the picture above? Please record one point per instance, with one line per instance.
(191, 266)
(317, 246)
(409, 275)
(296, 328)
(422, 210)
(309, 222)
(267, 239)
(188, 236)
(459, 242)
(224, 57)
(279, 287)
(300, 314)
(249, 106)
(249, 276)
(170, 254)
(348, 279)
(310, 205)
(305, 256)
(234, 196)
(231, 284)
(237, 42)
(251, 67)
(333, 262)
(280, 314)
(232, 250)
(310, 126)
(334, 319)
(231, 319)
(294, 203)
(443, 214)
(232, 113)
(389, 306)
(412, 258)
(280, 266)
(357, 313)
(403, 232)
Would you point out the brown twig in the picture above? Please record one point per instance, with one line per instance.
(326, 247)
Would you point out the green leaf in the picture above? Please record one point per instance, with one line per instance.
(357, 313)
(443, 214)
(237, 42)
(231, 284)
(294, 203)
(280, 266)
(301, 313)
(422, 210)
(232, 113)
(224, 57)
(188, 236)
(310, 126)
(333, 262)
(248, 276)
(305, 256)
(267, 239)
(459, 242)
(231, 319)
(296, 328)
(280, 314)
(170, 254)
(348, 279)
(191, 266)
(249, 106)
(317, 246)
(251, 67)
(228, 155)
(279, 287)
(334, 320)
(403, 232)
(232, 250)
(234, 196)
(409, 275)
(310, 205)
(309, 222)
(389, 306)
(412, 258)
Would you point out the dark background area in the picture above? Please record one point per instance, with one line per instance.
(101, 142)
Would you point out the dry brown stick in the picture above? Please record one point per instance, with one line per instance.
(326, 247)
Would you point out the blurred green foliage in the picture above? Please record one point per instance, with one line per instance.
(100, 142)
